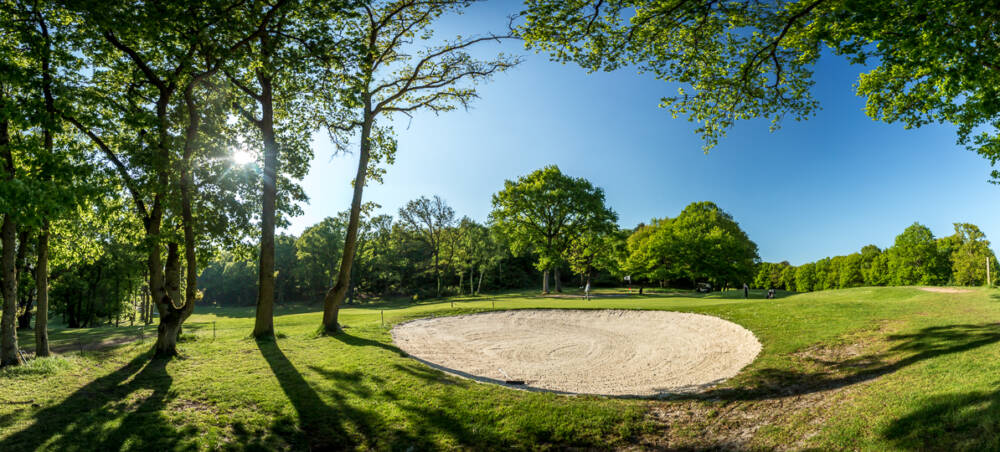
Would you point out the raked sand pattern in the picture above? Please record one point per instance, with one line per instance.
(610, 352)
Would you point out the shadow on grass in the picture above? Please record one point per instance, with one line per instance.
(123, 409)
(962, 421)
(323, 426)
(905, 350)
(329, 416)
(357, 341)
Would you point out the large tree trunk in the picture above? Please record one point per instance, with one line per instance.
(42, 265)
(264, 325)
(558, 279)
(163, 297)
(166, 337)
(171, 316)
(9, 355)
(23, 303)
(42, 285)
(335, 296)
(545, 281)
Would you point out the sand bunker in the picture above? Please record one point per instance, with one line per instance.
(607, 352)
(945, 290)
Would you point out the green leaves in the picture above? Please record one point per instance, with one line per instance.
(936, 61)
(703, 244)
(734, 60)
(546, 212)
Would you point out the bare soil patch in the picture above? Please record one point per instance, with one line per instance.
(608, 352)
(730, 418)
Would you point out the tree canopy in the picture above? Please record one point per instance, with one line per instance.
(545, 212)
(922, 62)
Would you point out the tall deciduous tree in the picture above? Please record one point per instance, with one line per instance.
(319, 251)
(703, 244)
(43, 168)
(970, 255)
(547, 211)
(153, 132)
(277, 74)
(712, 246)
(399, 70)
(914, 257)
(430, 219)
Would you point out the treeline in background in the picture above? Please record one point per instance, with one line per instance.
(426, 251)
(396, 257)
(916, 258)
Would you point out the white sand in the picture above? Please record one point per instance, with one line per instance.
(609, 352)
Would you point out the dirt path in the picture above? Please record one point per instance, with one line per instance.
(945, 290)
(91, 346)
(593, 295)
(610, 352)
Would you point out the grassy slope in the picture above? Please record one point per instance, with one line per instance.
(887, 368)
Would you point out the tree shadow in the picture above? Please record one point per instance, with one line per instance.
(122, 408)
(357, 341)
(327, 419)
(834, 373)
(330, 422)
(959, 421)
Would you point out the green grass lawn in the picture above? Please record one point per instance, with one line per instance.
(858, 369)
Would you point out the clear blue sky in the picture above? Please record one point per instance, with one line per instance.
(823, 187)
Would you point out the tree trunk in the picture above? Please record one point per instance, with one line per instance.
(461, 282)
(24, 320)
(42, 285)
(437, 274)
(9, 355)
(42, 266)
(545, 282)
(171, 317)
(335, 296)
(558, 279)
(264, 325)
(23, 304)
(158, 293)
(351, 285)
(147, 303)
(480, 286)
(163, 297)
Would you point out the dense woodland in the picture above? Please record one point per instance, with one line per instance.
(916, 258)
(121, 123)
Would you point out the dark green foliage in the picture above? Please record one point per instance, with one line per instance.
(391, 260)
(703, 244)
(916, 258)
(924, 61)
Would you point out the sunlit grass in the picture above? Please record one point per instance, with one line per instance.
(927, 362)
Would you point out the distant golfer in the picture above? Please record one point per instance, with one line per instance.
(586, 291)
(746, 291)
